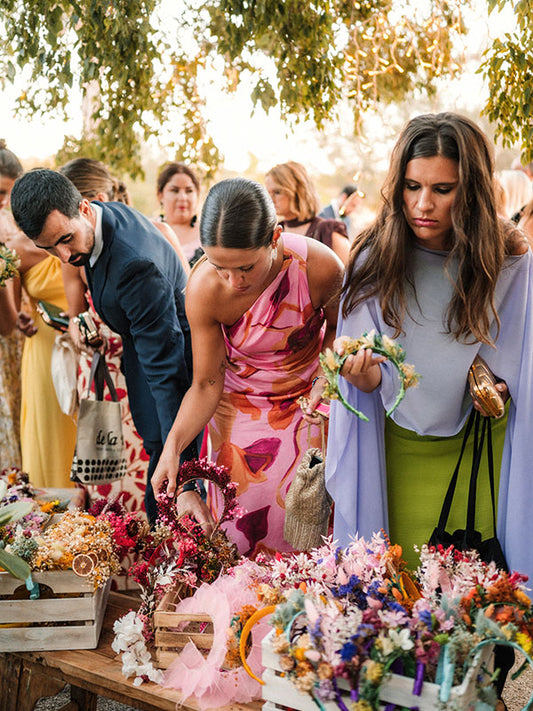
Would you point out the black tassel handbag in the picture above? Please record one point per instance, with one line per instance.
(468, 538)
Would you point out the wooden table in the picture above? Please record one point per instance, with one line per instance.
(26, 677)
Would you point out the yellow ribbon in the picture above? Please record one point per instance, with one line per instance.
(258, 615)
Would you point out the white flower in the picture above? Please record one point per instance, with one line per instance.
(401, 639)
(128, 630)
(136, 659)
(368, 339)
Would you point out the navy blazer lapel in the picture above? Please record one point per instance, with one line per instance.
(99, 273)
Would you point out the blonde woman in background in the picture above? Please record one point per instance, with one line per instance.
(297, 205)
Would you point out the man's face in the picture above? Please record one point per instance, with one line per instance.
(70, 239)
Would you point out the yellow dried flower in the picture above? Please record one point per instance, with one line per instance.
(373, 671)
(410, 376)
(329, 359)
(325, 670)
(361, 705)
(522, 598)
(525, 641)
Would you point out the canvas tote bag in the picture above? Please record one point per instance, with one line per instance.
(99, 454)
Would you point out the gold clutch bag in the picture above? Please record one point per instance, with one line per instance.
(483, 388)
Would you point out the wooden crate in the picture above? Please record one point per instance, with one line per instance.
(68, 615)
(280, 693)
(173, 629)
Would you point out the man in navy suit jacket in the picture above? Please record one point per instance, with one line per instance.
(136, 281)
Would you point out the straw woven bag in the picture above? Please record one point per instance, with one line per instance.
(308, 504)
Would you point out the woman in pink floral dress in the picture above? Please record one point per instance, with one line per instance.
(261, 306)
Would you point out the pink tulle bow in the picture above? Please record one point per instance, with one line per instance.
(194, 675)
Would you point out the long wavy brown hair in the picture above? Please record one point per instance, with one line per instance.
(479, 239)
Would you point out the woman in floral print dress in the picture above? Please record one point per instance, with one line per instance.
(261, 307)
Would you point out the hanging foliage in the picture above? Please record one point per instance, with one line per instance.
(136, 72)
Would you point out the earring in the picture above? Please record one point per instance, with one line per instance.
(162, 213)
(193, 220)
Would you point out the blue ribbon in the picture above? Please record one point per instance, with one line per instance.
(35, 590)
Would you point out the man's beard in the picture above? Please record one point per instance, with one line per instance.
(80, 260)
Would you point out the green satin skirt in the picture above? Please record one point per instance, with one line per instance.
(419, 470)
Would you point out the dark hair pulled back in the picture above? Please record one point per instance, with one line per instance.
(239, 214)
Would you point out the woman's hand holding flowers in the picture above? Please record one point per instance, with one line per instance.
(191, 503)
(166, 470)
(358, 360)
(361, 369)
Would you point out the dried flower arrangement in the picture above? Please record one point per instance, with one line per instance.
(90, 543)
(176, 552)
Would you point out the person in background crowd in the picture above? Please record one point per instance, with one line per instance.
(517, 192)
(178, 191)
(47, 435)
(297, 204)
(136, 283)
(439, 268)
(526, 222)
(343, 207)
(261, 305)
(11, 341)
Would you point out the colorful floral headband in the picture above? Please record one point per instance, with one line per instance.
(380, 344)
(219, 475)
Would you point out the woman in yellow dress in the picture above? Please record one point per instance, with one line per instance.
(47, 435)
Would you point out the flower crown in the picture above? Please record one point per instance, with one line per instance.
(379, 343)
(9, 264)
(219, 475)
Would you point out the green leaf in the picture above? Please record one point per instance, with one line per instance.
(14, 565)
(14, 511)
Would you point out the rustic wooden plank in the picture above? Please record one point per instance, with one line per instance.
(27, 639)
(10, 670)
(35, 684)
(23, 637)
(165, 618)
(60, 581)
(180, 639)
(83, 699)
(68, 609)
